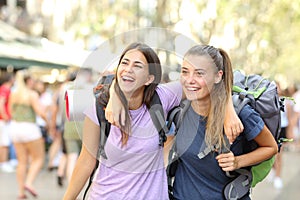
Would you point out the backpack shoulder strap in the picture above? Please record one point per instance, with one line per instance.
(239, 101)
(104, 128)
(158, 118)
(176, 115)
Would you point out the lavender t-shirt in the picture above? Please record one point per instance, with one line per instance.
(135, 171)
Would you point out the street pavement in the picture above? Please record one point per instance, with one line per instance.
(47, 188)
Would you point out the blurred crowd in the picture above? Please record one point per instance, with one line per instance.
(34, 130)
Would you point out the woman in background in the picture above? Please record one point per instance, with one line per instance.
(26, 135)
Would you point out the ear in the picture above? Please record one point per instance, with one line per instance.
(150, 79)
(218, 76)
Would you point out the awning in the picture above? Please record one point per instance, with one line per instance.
(22, 51)
(19, 63)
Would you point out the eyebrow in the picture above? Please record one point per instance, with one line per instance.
(136, 61)
(195, 69)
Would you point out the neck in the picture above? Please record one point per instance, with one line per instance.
(135, 100)
(201, 107)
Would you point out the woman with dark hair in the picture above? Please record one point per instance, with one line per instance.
(134, 165)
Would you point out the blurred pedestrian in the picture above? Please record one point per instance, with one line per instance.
(45, 97)
(27, 138)
(59, 122)
(277, 167)
(294, 130)
(73, 129)
(7, 81)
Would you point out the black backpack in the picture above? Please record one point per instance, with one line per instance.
(174, 120)
(101, 92)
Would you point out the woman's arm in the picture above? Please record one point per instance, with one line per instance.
(167, 147)
(38, 108)
(86, 160)
(267, 148)
(232, 123)
(114, 112)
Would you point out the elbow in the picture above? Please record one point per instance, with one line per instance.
(275, 149)
(272, 150)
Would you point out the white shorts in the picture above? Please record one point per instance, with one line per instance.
(4, 134)
(24, 131)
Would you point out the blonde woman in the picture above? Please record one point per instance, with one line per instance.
(26, 135)
(207, 78)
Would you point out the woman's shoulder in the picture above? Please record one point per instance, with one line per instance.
(251, 119)
(33, 93)
(246, 111)
(173, 88)
(170, 94)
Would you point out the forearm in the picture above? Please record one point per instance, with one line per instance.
(232, 123)
(257, 156)
(82, 171)
(267, 148)
(167, 147)
(115, 111)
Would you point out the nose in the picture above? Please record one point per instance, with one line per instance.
(190, 78)
(128, 67)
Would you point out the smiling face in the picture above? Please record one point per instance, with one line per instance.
(133, 73)
(198, 76)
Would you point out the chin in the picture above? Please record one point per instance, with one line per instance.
(191, 97)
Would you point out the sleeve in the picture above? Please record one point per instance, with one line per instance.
(253, 123)
(90, 112)
(3, 92)
(170, 94)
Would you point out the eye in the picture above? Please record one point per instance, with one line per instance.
(138, 66)
(184, 71)
(124, 62)
(200, 73)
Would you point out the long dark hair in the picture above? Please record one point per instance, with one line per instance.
(154, 69)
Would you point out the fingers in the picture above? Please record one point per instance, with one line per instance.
(238, 128)
(226, 161)
(230, 135)
(111, 118)
(116, 120)
(234, 131)
(108, 116)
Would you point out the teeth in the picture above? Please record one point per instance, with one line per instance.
(191, 89)
(127, 78)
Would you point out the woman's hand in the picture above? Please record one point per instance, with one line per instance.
(232, 123)
(227, 161)
(115, 112)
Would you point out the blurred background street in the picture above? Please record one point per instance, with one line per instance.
(54, 40)
(48, 189)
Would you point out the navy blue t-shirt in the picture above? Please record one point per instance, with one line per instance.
(197, 178)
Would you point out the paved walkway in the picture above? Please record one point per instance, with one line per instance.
(48, 189)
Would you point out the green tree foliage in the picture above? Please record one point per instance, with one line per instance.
(261, 36)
